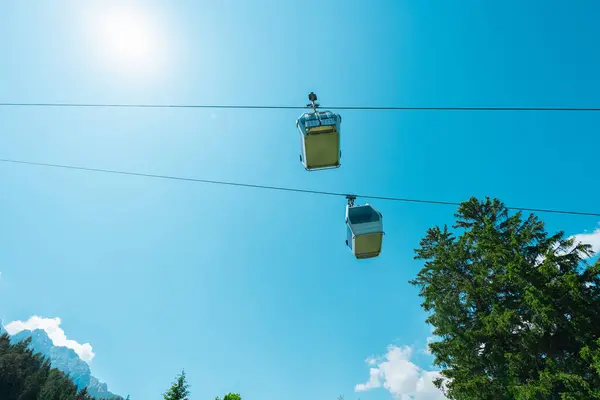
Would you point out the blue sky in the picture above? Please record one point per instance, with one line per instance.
(254, 291)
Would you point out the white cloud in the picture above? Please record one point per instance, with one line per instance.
(373, 382)
(589, 238)
(402, 378)
(371, 360)
(52, 327)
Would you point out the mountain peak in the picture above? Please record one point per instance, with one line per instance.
(40, 341)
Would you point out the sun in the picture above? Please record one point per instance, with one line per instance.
(127, 40)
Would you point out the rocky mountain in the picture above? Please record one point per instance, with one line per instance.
(67, 361)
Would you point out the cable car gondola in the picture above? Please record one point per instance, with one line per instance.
(364, 230)
(320, 137)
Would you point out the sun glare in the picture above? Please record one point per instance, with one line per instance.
(127, 40)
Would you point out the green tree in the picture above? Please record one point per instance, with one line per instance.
(516, 310)
(28, 376)
(232, 396)
(83, 394)
(179, 389)
(58, 387)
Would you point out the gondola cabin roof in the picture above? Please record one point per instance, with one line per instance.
(320, 118)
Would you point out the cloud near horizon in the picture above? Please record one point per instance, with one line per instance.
(52, 328)
(405, 380)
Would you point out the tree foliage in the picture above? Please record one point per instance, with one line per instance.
(231, 396)
(516, 310)
(179, 389)
(28, 376)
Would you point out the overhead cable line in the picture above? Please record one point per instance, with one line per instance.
(274, 107)
(279, 188)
